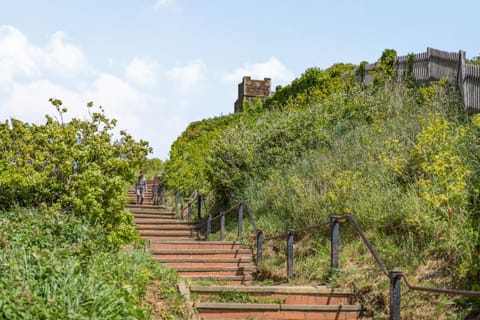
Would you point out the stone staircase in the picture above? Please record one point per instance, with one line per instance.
(229, 270)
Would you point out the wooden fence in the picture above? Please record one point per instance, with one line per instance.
(435, 65)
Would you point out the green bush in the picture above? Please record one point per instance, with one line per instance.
(56, 266)
(73, 167)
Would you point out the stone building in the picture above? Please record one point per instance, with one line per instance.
(250, 89)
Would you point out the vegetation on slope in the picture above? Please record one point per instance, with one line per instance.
(63, 221)
(56, 266)
(74, 167)
(401, 158)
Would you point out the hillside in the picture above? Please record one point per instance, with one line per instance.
(401, 157)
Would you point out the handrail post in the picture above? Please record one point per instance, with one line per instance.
(209, 225)
(240, 220)
(259, 245)
(395, 294)
(181, 211)
(291, 232)
(335, 241)
(222, 226)
(177, 199)
(199, 206)
(189, 210)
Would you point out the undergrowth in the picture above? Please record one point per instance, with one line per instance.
(55, 266)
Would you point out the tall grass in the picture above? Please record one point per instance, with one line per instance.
(392, 163)
(56, 267)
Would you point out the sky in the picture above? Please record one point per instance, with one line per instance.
(158, 65)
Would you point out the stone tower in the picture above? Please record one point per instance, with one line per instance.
(250, 89)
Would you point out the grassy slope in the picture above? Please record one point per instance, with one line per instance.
(57, 267)
(402, 161)
(403, 167)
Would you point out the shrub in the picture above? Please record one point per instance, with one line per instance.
(73, 167)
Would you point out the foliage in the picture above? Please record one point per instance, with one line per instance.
(185, 171)
(385, 68)
(56, 266)
(401, 158)
(313, 86)
(475, 61)
(73, 167)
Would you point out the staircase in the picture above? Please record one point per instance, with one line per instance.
(229, 269)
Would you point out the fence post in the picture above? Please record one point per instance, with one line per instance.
(395, 293)
(222, 226)
(199, 206)
(335, 241)
(259, 245)
(189, 210)
(209, 225)
(240, 220)
(291, 232)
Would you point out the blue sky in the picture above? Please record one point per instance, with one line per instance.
(157, 65)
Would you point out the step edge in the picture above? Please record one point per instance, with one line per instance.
(272, 289)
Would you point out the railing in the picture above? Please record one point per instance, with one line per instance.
(222, 215)
(435, 65)
(159, 194)
(395, 276)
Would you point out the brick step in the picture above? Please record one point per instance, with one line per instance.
(226, 311)
(154, 217)
(201, 253)
(233, 280)
(159, 222)
(157, 235)
(194, 245)
(205, 262)
(249, 269)
(146, 207)
(287, 294)
(167, 227)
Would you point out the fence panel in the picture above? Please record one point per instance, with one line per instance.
(443, 65)
(435, 65)
(420, 67)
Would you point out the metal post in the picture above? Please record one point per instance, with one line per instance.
(199, 206)
(335, 241)
(395, 292)
(240, 220)
(259, 245)
(222, 226)
(290, 253)
(177, 199)
(189, 210)
(209, 225)
(181, 212)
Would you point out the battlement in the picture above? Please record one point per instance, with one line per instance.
(250, 89)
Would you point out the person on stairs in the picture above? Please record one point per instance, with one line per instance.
(140, 188)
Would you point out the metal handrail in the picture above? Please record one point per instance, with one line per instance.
(311, 227)
(401, 273)
(226, 211)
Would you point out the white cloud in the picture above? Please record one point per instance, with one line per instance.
(142, 71)
(159, 4)
(272, 68)
(29, 101)
(20, 58)
(30, 74)
(119, 100)
(64, 58)
(189, 75)
(17, 56)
